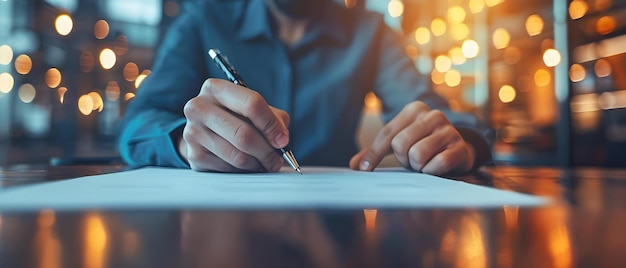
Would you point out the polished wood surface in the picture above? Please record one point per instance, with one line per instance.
(585, 226)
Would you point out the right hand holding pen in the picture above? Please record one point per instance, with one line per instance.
(231, 128)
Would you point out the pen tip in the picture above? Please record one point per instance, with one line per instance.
(299, 170)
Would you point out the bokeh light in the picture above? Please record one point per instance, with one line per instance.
(395, 8)
(437, 77)
(602, 68)
(26, 93)
(107, 58)
(507, 94)
(63, 24)
(438, 27)
(578, 9)
(98, 103)
(131, 71)
(476, 6)
(606, 25)
(577, 73)
(128, 96)
(6, 54)
(53, 77)
(85, 104)
(101, 29)
(171, 8)
(372, 102)
(6, 82)
(456, 54)
(23, 64)
(551, 57)
(141, 77)
(456, 14)
(534, 25)
(542, 78)
(422, 35)
(443, 63)
(491, 3)
(61, 92)
(453, 78)
(87, 61)
(602, 4)
(501, 38)
(460, 31)
(470, 49)
(112, 91)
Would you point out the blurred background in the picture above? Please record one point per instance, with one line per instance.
(547, 76)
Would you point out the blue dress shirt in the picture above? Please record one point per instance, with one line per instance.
(320, 81)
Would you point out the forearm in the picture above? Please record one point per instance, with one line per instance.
(150, 138)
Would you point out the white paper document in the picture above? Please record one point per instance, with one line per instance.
(163, 188)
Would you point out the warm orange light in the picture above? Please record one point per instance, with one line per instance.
(470, 49)
(63, 24)
(460, 31)
(6, 82)
(107, 58)
(422, 35)
(476, 6)
(98, 103)
(491, 3)
(456, 14)
(6, 54)
(551, 57)
(438, 27)
(372, 102)
(507, 94)
(443, 63)
(395, 8)
(370, 219)
(101, 29)
(542, 78)
(46, 218)
(141, 77)
(602, 4)
(501, 38)
(53, 77)
(606, 25)
(412, 51)
(23, 64)
(85, 104)
(87, 61)
(112, 91)
(437, 77)
(578, 9)
(603, 68)
(128, 96)
(26, 93)
(61, 92)
(453, 78)
(534, 25)
(131, 71)
(96, 240)
(456, 54)
(577, 73)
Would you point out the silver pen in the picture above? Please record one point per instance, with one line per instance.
(222, 62)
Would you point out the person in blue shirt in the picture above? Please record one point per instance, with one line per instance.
(310, 64)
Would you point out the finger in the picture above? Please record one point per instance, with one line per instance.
(251, 105)
(448, 161)
(381, 146)
(238, 140)
(208, 151)
(414, 132)
(356, 159)
(284, 116)
(424, 150)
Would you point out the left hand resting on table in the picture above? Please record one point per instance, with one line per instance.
(422, 140)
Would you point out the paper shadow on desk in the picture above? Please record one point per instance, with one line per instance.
(334, 188)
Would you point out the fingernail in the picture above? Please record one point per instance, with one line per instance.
(365, 165)
(281, 139)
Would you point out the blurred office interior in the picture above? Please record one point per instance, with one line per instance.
(546, 76)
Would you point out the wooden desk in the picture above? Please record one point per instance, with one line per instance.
(585, 227)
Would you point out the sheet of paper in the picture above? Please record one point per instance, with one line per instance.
(159, 188)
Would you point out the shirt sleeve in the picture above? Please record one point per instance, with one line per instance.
(398, 83)
(154, 120)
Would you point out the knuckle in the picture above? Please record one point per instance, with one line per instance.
(398, 144)
(255, 103)
(191, 108)
(417, 156)
(438, 116)
(445, 162)
(387, 131)
(244, 136)
(240, 159)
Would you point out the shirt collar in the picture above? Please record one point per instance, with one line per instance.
(256, 23)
